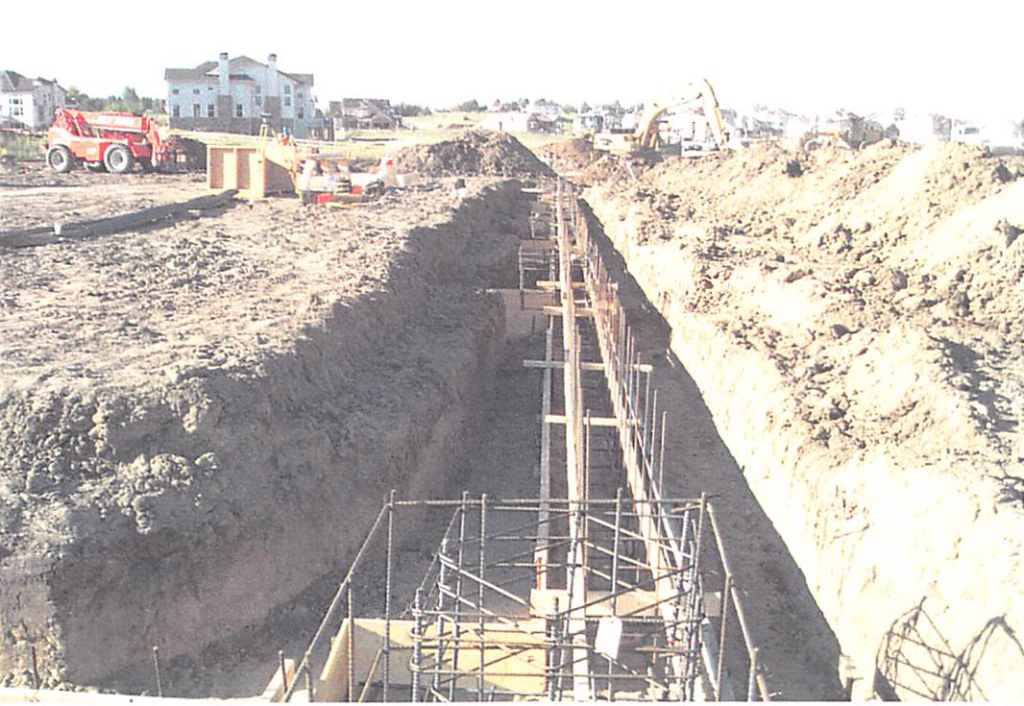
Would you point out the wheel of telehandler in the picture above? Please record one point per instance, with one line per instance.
(59, 159)
(118, 159)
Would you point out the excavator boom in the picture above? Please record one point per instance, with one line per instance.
(645, 137)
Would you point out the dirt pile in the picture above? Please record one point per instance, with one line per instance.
(854, 325)
(571, 156)
(477, 153)
(198, 421)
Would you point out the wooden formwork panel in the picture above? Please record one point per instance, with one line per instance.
(514, 657)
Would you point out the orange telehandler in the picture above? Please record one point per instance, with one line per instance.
(116, 141)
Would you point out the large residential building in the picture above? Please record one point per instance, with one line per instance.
(29, 101)
(232, 95)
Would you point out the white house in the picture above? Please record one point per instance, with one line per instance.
(30, 101)
(511, 122)
(233, 95)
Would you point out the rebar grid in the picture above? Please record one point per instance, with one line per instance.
(558, 571)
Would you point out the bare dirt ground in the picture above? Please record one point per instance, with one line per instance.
(854, 326)
(34, 195)
(174, 398)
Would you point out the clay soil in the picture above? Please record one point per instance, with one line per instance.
(854, 323)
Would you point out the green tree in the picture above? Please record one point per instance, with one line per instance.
(569, 108)
(585, 108)
(470, 106)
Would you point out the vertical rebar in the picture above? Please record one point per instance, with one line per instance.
(552, 649)
(661, 460)
(615, 580)
(35, 668)
(645, 429)
(310, 693)
(284, 671)
(480, 594)
(387, 593)
(751, 680)
(653, 425)
(417, 646)
(351, 666)
(457, 633)
(442, 589)
(726, 594)
(156, 668)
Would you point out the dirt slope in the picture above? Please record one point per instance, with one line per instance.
(856, 332)
(199, 420)
(476, 153)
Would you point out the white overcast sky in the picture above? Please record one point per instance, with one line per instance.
(962, 59)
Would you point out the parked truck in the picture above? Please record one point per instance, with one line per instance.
(114, 141)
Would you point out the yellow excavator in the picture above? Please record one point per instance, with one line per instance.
(699, 97)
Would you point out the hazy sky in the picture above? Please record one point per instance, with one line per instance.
(963, 59)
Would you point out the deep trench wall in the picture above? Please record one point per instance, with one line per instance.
(217, 495)
(877, 533)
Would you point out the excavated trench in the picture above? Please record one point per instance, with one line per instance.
(228, 502)
(222, 496)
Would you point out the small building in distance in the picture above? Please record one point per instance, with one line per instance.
(362, 114)
(31, 102)
(233, 95)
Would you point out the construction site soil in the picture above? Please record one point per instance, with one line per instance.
(199, 420)
(475, 153)
(854, 326)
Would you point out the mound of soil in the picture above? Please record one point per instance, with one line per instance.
(855, 331)
(572, 156)
(477, 153)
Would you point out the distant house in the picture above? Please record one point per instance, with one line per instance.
(511, 122)
(363, 114)
(545, 107)
(30, 101)
(233, 95)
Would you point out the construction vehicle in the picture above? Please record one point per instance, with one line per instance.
(698, 97)
(849, 130)
(116, 141)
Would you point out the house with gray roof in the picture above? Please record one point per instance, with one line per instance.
(29, 102)
(234, 95)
